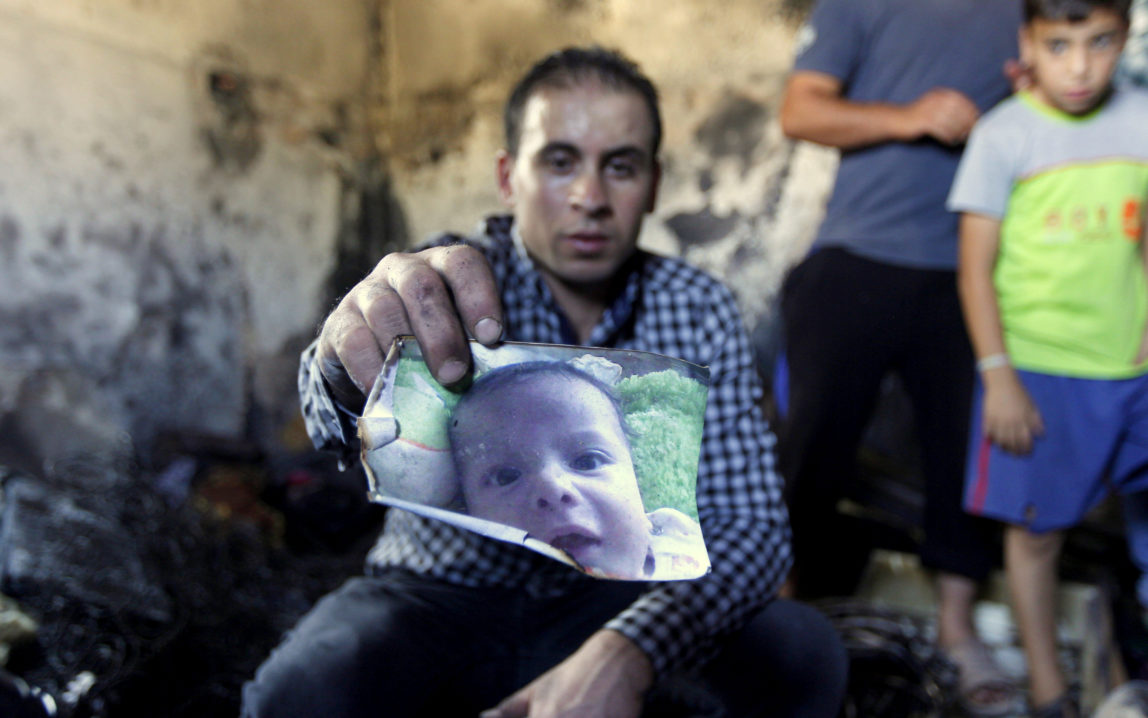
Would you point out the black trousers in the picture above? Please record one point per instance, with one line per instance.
(398, 644)
(847, 322)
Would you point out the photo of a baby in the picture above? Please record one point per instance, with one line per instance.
(540, 450)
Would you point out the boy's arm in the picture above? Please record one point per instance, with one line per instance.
(1011, 420)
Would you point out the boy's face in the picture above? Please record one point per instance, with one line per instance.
(1073, 62)
(551, 458)
(582, 181)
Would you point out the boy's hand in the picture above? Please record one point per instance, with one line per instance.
(1142, 355)
(1011, 419)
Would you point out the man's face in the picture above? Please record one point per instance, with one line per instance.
(551, 458)
(582, 180)
(1073, 62)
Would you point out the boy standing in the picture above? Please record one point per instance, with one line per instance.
(1052, 284)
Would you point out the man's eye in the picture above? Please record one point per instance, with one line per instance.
(504, 475)
(559, 162)
(589, 460)
(623, 169)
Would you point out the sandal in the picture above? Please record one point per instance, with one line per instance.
(978, 673)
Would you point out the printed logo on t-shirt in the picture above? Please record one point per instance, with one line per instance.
(1080, 223)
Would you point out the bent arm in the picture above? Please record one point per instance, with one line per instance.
(814, 109)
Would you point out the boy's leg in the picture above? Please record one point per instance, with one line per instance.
(1031, 570)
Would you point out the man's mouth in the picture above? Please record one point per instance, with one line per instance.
(588, 241)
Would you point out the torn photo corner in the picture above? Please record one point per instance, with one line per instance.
(586, 455)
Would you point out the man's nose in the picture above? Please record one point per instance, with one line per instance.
(588, 192)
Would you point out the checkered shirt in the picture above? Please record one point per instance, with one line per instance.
(667, 307)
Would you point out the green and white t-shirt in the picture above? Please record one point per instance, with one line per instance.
(1070, 193)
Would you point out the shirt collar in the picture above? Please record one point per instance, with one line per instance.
(618, 314)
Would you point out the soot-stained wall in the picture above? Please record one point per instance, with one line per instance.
(174, 181)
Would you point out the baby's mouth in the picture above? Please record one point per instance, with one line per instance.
(573, 542)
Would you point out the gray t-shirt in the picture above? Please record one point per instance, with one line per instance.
(888, 203)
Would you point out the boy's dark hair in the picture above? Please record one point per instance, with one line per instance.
(1073, 10)
(568, 67)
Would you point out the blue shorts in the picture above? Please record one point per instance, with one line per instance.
(1095, 441)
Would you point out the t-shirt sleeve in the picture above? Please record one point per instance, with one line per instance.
(984, 177)
(830, 40)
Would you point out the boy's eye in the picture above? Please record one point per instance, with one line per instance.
(1101, 42)
(1056, 46)
(589, 460)
(504, 475)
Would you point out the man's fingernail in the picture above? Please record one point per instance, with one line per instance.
(451, 371)
(487, 330)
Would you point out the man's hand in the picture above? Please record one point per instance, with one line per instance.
(1011, 419)
(439, 295)
(944, 114)
(607, 677)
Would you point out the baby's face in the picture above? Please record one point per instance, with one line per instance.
(551, 458)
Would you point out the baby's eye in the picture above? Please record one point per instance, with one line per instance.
(504, 475)
(589, 460)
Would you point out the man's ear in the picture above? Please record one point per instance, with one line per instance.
(654, 184)
(504, 167)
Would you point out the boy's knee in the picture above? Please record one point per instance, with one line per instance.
(1027, 545)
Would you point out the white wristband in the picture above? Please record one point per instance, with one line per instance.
(992, 361)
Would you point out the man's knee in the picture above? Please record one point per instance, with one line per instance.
(788, 661)
(805, 647)
(367, 640)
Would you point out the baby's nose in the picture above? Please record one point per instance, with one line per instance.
(554, 488)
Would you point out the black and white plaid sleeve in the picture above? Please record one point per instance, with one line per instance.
(739, 494)
(330, 428)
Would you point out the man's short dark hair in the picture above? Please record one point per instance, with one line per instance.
(570, 66)
(1073, 10)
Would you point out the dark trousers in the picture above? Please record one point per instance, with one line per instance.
(398, 644)
(848, 321)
